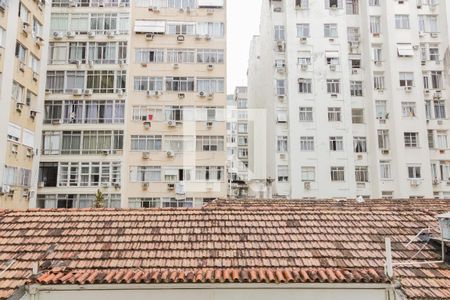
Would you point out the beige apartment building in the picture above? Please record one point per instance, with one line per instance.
(22, 61)
(135, 104)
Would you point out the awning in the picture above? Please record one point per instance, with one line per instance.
(142, 26)
(331, 54)
(171, 172)
(210, 3)
(405, 50)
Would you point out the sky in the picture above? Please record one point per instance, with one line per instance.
(243, 24)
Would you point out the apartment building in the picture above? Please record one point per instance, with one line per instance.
(237, 143)
(22, 61)
(356, 94)
(135, 104)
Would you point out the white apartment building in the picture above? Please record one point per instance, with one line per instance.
(135, 104)
(237, 143)
(356, 94)
(23, 52)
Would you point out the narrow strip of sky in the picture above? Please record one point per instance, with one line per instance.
(243, 24)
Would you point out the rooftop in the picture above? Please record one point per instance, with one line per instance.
(226, 241)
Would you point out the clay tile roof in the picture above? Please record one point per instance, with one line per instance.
(254, 241)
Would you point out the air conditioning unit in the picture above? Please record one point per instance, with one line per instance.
(304, 67)
(88, 92)
(39, 41)
(307, 185)
(26, 28)
(436, 181)
(434, 34)
(333, 68)
(117, 186)
(198, 37)
(147, 124)
(91, 63)
(207, 37)
(355, 71)
(91, 34)
(408, 89)
(153, 9)
(437, 95)
(14, 149)
(111, 34)
(150, 93)
(283, 156)
(19, 107)
(180, 38)
(210, 67)
(385, 152)
(106, 185)
(359, 157)
(378, 63)
(423, 62)
(209, 124)
(33, 114)
(414, 182)
(171, 186)
(171, 123)
(354, 45)
(35, 76)
(145, 155)
(57, 122)
(21, 66)
(421, 34)
(73, 3)
(210, 96)
(181, 95)
(210, 11)
(303, 40)
(281, 46)
(176, 66)
(149, 36)
(41, 184)
(105, 152)
(77, 92)
(144, 64)
(120, 92)
(440, 122)
(170, 153)
(70, 34)
(57, 35)
(145, 186)
(202, 94)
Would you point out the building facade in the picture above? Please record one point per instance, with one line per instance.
(23, 27)
(356, 99)
(135, 104)
(237, 143)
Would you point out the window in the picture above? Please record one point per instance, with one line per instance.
(303, 30)
(409, 109)
(106, 81)
(18, 92)
(336, 143)
(211, 85)
(203, 174)
(180, 84)
(280, 87)
(385, 170)
(308, 174)
(146, 143)
(383, 139)
(307, 143)
(282, 144)
(145, 174)
(362, 174)
(34, 64)
(352, 7)
(357, 115)
(213, 29)
(434, 53)
(430, 136)
(375, 25)
(210, 56)
(374, 2)
(411, 139)
(24, 13)
(210, 143)
(439, 109)
(14, 132)
(436, 79)
(334, 114)
(377, 53)
(302, 4)
(79, 23)
(332, 58)
(414, 172)
(181, 56)
(378, 81)
(333, 86)
(306, 114)
(406, 79)
(381, 110)
(304, 58)
(59, 22)
(441, 139)
(360, 144)
(283, 174)
(428, 23)
(330, 30)
(353, 34)
(21, 52)
(142, 83)
(304, 85)
(356, 88)
(279, 33)
(337, 174)
(31, 98)
(333, 4)
(74, 80)
(402, 21)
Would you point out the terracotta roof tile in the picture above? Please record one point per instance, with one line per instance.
(227, 241)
